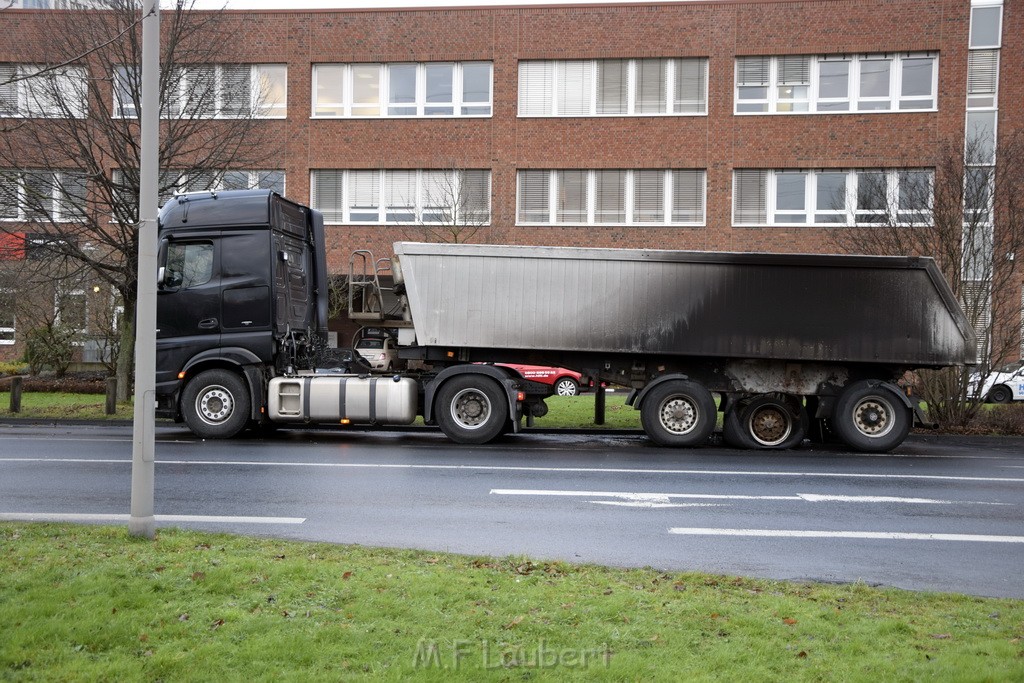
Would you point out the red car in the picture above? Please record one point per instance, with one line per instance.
(565, 382)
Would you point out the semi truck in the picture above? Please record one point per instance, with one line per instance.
(783, 346)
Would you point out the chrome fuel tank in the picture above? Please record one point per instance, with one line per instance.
(333, 398)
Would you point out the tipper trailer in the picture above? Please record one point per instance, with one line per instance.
(793, 345)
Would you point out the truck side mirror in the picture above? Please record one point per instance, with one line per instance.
(161, 260)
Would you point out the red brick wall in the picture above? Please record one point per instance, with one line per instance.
(718, 142)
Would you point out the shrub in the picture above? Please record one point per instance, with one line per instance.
(1007, 420)
(49, 346)
(14, 368)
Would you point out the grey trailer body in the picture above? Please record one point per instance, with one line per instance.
(826, 309)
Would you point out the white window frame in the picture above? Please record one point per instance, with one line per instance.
(558, 70)
(629, 199)
(420, 203)
(72, 78)
(11, 331)
(811, 209)
(853, 86)
(175, 109)
(85, 310)
(58, 214)
(346, 105)
(987, 4)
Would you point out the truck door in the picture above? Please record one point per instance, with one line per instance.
(189, 309)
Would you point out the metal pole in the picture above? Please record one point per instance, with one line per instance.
(142, 522)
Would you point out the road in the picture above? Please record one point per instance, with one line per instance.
(940, 513)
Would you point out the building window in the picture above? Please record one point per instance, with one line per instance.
(210, 91)
(37, 91)
(613, 87)
(460, 196)
(986, 26)
(7, 317)
(45, 196)
(982, 78)
(800, 197)
(431, 89)
(608, 197)
(71, 310)
(821, 84)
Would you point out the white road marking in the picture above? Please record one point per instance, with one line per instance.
(652, 504)
(72, 517)
(667, 497)
(871, 535)
(513, 468)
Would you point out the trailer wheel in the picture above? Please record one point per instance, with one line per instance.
(870, 418)
(678, 413)
(215, 404)
(1000, 394)
(567, 386)
(766, 422)
(471, 409)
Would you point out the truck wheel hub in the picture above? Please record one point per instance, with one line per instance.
(215, 404)
(678, 415)
(872, 418)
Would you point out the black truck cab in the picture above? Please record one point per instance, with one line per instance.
(242, 290)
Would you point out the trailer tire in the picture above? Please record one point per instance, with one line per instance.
(471, 409)
(766, 422)
(215, 404)
(567, 386)
(870, 418)
(1000, 393)
(678, 413)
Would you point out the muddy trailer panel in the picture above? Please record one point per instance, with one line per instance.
(814, 308)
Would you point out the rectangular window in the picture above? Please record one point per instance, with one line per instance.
(7, 317)
(462, 196)
(824, 84)
(43, 196)
(442, 89)
(210, 91)
(982, 78)
(71, 310)
(832, 197)
(614, 196)
(37, 91)
(980, 138)
(986, 26)
(613, 87)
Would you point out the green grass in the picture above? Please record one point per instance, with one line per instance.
(578, 411)
(49, 405)
(90, 603)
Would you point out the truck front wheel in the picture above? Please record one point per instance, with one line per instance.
(215, 404)
(471, 409)
(678, 413)
(870, 418)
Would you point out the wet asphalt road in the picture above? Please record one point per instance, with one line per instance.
(940, 513)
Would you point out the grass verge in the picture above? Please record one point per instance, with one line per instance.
(45, 405)
(90, 603)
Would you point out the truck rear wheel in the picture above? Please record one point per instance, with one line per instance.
(678, 413)
(766, 422)
(870, 418)
(471, 409)
(215, 404)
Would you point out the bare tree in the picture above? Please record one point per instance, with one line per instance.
(455, 208)
(969, 216)
(70, 168)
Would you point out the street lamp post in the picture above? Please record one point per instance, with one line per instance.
(141, 522)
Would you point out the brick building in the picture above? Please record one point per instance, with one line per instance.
(721, 125)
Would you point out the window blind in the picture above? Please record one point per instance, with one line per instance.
(535, 88)
(575, 81)
(982, 71)
(794, 70)
(610, 196)
(534, 193)
(750, 196)
(753, 70)
(612, 86)
(650, 86)
(690, 85)
(572, 197)
(687, 196)
(648, 196)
